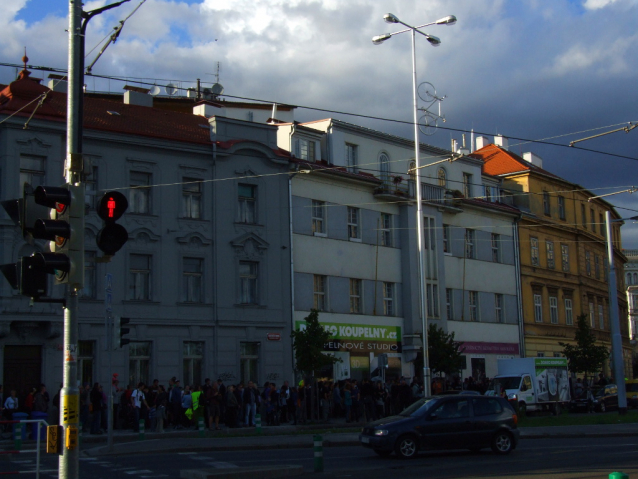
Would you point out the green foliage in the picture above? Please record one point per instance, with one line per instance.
(443, 352)
(308, 345)
(584, 357)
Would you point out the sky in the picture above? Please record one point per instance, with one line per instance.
(556, 71)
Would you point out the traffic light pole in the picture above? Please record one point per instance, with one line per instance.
(68, 462)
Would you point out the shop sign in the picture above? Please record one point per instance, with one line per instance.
(274, 336)
(489, 348)
(364, 338)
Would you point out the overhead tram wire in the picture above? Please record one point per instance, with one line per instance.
(359, 115)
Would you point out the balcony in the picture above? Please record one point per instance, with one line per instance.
(432, 193)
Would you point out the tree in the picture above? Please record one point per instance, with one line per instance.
(308, 344)
(584, 357)
(444, 353)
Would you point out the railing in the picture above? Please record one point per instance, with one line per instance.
(433, 193)
(18, 445)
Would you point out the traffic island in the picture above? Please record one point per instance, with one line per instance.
(265, 472)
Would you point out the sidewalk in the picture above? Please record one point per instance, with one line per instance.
(288, 437)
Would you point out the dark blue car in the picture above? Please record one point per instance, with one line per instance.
(445, 422)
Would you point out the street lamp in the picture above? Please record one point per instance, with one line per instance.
(434, 41)
(614, 318)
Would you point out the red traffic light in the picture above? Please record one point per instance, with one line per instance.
(112, 206)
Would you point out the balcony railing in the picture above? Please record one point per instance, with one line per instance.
(433, 193)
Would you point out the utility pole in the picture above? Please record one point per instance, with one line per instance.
(68, 462)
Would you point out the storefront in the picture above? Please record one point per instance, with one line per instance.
(358, 346)
(481, 358)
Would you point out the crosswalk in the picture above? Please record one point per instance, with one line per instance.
(118, 467)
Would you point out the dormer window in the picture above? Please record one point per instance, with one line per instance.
(305, 149)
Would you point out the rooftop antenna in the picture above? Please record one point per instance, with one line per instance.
(217, 88)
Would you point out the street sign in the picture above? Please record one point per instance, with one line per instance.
(274, 336)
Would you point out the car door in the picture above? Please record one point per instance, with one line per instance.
(488, 412)
(448, 425)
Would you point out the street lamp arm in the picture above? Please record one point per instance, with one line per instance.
(626, 129)
(633, 189)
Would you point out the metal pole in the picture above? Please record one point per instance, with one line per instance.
(109, 415)
(68, 462)
(419, 226)
(614, 322)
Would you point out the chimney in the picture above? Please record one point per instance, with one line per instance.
(58, 83)
(207, 109)
(500, 140)
(533, 159)
(137, 96)
(481, 142)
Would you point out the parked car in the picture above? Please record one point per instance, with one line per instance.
(631, 387)
(583, 401)
(605, 397)
(445, 422)
(465, 392)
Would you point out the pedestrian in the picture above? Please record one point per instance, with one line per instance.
(41, 400)
(175, 400)
(251, 396)
(96, 407)
(214, 400)
(10, 405)
(187, 403)
(30, 399)
(137, 400)
(231, 407)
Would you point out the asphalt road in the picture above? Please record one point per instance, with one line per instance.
(547, 458)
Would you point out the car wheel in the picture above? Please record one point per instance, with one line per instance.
(502, 442)
(602, 407)
(406, 447)
(382, 453)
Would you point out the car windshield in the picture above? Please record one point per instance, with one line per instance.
(631, 387)
(598, 392)
(418, 408)
(507, 382)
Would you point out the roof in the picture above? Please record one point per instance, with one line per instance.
(26, 96)
(497, 161)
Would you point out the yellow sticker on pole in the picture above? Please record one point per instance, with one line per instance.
(71, 409)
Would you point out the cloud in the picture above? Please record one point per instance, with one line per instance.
(597, 4)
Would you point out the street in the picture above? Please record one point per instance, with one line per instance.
(549, 458)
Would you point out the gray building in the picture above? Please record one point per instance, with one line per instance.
(205, 275)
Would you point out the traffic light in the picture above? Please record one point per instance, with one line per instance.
(54, 213)
(65, 230)
(112, 236)
(119, 332)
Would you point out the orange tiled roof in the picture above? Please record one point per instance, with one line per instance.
(498, 161)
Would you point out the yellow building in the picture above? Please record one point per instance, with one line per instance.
(563, 255)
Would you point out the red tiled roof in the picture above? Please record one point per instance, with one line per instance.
(498, 161)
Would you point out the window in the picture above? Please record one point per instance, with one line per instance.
(354, 231)
(191, 198)
(583, 215)
(139, 354)
(498, 308)
(564, 252)
(442, 177)
(31, 170)
(446, 239)
(540, 354)
(487, 407)
(561, 207)
(351, 158)
(386, 229)
(318, 217)
(467, 185)
(388, 299)
(449, 303)
(601, 314)
(588, 263)
(553, 309)
(140, 199)
(432, 291)
(193, 357)
(453, 409)
(246, 204)
(592, 219)
(319, 292)
(384, 168)
(192, 280)
(534, 251)
(546, 205)
(605, 268)
(496, 248)
(487, 193)
(85, 361)
(90, 184)
(248, 362)
(538, 308)
(355, 296)
(596, 266)
(469, 244)
(474, 306)
(306, 150)
(248, 282)
(592, 321)
(549, 246)
(140, 274)
(569, 312)
(601, 224)
(89, 290)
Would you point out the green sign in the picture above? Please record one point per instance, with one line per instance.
(360, 332)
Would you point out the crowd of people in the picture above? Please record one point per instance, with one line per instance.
(37, 399)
